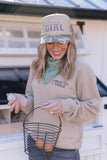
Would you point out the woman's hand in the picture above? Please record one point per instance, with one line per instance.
(53, 107)
(17, 103)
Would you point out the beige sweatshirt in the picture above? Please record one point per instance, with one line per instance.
(80, 99)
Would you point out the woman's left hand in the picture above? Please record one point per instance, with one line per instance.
(53, 107)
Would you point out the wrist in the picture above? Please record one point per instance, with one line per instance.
(24, 102)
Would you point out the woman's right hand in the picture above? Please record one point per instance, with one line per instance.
(17, 103)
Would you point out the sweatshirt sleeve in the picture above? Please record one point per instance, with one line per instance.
(29, 93)
(86, 106)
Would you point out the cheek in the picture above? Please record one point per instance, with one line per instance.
(49, 49)
(65, 50)
(49, 52)
(66, 47)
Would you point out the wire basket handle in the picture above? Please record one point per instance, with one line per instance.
(60, 122)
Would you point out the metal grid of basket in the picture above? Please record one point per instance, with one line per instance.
(41, 135)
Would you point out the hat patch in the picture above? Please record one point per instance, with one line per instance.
(53, 26)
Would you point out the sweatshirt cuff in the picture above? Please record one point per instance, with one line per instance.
(27, 105)
(68, 105)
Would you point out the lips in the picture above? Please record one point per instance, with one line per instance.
(58, 53)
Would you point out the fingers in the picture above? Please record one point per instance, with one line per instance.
(53, 107)
(11, 102)
(15, 101)
(12, 107)
(15, 105)
(50, 107)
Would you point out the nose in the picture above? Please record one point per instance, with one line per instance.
(56, 46)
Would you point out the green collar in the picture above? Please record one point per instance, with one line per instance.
(51, 70)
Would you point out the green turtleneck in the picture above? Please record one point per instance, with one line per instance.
(51, 70)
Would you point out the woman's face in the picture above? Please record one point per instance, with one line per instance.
(57, 50)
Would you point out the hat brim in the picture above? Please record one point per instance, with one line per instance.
(55, 38)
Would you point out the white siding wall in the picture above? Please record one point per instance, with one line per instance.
(104, 65)
(96, 33)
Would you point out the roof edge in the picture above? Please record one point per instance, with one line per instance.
(26, 9)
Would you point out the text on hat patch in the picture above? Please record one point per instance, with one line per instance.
(53, 26)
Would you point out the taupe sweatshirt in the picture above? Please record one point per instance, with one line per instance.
(80, 99)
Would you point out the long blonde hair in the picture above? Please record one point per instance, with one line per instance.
(66, 64)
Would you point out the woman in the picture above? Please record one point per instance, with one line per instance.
(63, 85)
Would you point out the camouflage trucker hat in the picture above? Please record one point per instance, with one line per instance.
(56, 28)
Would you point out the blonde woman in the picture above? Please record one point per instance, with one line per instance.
(63, 85)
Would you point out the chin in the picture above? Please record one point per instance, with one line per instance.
(56, 57)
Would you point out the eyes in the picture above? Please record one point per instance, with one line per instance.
(56, 43)
(50, 43)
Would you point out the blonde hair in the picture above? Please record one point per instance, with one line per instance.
(66, 64)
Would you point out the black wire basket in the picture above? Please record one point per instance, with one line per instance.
(41, 135)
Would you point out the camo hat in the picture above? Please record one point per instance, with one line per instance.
(56, 28)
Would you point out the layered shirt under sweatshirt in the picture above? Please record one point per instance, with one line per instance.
(79, 96)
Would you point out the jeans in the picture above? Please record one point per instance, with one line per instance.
(56, 154)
